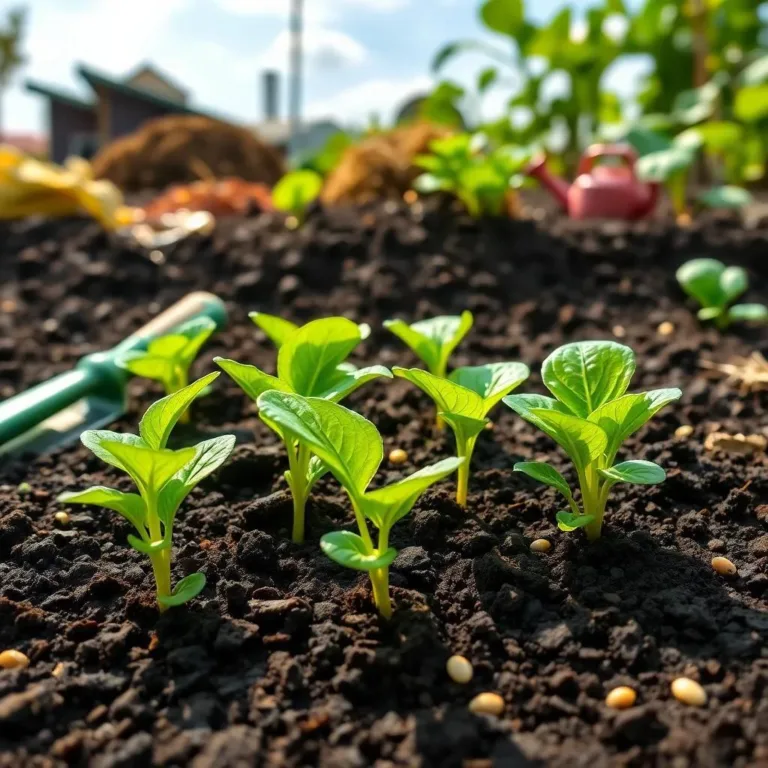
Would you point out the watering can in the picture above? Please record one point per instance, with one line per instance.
(600, 191)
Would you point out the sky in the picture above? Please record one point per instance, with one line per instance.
(363, 57)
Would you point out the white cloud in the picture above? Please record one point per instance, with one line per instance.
(320, 11)
(324, 50)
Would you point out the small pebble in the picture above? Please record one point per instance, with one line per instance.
(59, 670)
(665, 329)
(291, 222)
(8, 305)
(541, 545)
(619, 332)
(723, 566)
(62, 518)
(689, 692)
(157, 257)
(487, 704)
(398, 456)
(459, 669)
(410, 196)
(488, 425)
(684, 430)
(622, 697)
(50, 325)
(13, 659)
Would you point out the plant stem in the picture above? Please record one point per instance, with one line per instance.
(298, 461)
(380, 580)
(464, 449)
(594, 502)
(161, 561)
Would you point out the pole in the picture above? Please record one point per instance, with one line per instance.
(296, 67)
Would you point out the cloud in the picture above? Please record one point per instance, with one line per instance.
(325, 50)
(317, 11)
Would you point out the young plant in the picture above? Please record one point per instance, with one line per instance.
(310, 362)
(464, 400)
(296, 191)
(671, 167)
(715, 287)
(168, 358)
(164, 478)
(277, 329)
(590, 417)
(352, 449)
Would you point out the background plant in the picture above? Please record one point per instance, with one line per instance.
(163, 477)
(590, 416)
(296, 191)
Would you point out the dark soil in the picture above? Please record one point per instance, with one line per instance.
(281, 661)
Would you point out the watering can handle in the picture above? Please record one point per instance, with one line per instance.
(596, 151)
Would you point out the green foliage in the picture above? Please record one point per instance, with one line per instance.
(715, 287)
(327, 158)
(296, 191)
(352, 450)
(163, 477)
(590, 417)
(311, 361)
(464, 400)
(11, 56)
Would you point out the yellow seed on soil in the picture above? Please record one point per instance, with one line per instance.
(619, 332)
(684, 430)
(622, 697)
(541, 545)
(13, 659)
(665, 329)
(410, 196)
(487, 704)
(291, 222)
(62, 518)
(459, 669)
(489, 425)
(723, 566)
(398, 456)
(689, 692)
(59, 670)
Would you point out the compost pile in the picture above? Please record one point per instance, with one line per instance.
(281, 661)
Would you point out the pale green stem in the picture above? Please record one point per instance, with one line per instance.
(298, 461)
(161, 561)
(593, 500)
(380, 581)
(441, 370)
(464, 449)
(362, 526)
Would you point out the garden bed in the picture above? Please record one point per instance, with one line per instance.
(282, 660)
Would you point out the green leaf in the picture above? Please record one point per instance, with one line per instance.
(148, 366)
(492, 382)
(661, 166)
(187, 589)
(315, 471)
(197, 332)
(751, 103)
(465, 428)
(756, 73)
(129, 505)
(733, 282)
(296, 190)
(94, 440)
(568, 521)
(700, 279)
(487, 78)
(347, 443)
(582, 440)
(748, 313)
(586, 374)
(149, 547)
(503, 16)
(638, 472)
(717, 136)
(348, 549)
(167, 346)
(624, 416)
(433, 340)
(525, 405)
(727, 196)
(276, 328)
(150, 468)
(161, 417)
(308, 359)
(447, 395)
(546, 474)
(710, 313)
(696, 104)
(347, 381)
(249, 378)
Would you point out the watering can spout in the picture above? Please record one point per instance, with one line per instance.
(557, 187)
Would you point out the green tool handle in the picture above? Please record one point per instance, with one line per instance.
(99, 374)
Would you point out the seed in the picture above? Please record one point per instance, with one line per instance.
(410, 197)
(291, 222)
(622, 697)
(541, 545)
(59, 670)
(619, 332)
(157, 257)
(13, 659)
(665, 329)
(489, 425)
(723, 566)
(62, 518)
(684, 430)
(398, 456)
(487, 704)
(689, 692)
(459, 669)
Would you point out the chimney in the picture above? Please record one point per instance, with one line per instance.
(271, 95)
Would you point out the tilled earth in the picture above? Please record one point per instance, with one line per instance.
(281, 661)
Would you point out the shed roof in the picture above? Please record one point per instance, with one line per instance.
(72, 99)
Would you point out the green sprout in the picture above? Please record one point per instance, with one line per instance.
(670, 167)
(168, 358)
(464, 400)
(278, 329)
(311, 361)
(164, 478)
(296, 191)
(590, 417)
(351, 447)
(715, 287)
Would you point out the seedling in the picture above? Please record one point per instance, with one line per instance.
(164, 478)
(310, 362)
(296, 191)
(590, 417)
(715, 287)
(168, 358)
(670, 167)
(352, 449)
(278, 329)
(464, 400)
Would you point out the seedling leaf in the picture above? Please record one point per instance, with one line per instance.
(492, 382)
(276, 328)
(546, 474)
(348, 549)
(638, 472)
(150, 469)
(346, 380)
(749, 313)
(129, 505)
(188, 588)
(449, 396)
(569, 521)
(582, 440)
(94, 440)
(249, 378)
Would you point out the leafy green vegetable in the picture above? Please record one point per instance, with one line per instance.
(352, 450)
(590, 418)
(163, 477)
(716, 287)
(168, 358)
(670, 167)
(296, 191)
(727, 196)
(464, 400)
(311, 361)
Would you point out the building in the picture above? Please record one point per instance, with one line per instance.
(79, 125)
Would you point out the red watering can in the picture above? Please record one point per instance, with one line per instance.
(600, 191)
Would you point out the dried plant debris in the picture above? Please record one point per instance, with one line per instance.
(750, 373)
(744, 445)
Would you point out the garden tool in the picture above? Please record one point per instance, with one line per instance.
(93, 394)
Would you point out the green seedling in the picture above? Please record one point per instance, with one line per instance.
(168, 358)
(716, 287)
(670, 167)
(352, 449)
(311, 361)
(590, 416)
(464, 400)
(277, 329)
(164, 478)
(296, 191)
